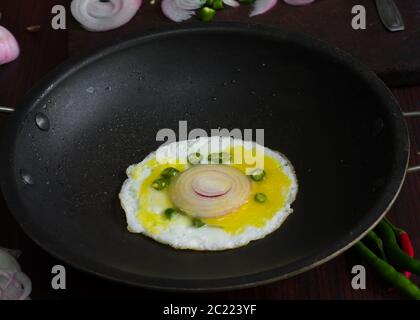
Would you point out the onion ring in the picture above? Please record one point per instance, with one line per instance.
(171, 10)
(231, 3)
(262, 6)
(95, 15)
(207, 191)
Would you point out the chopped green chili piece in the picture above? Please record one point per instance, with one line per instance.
(194, 158)
(209, 3)
(217, 4)
(169, 172)
(219, 158)
(258, 174)
(160, 184)
(207, 14)
(197, 223)
(169, 213)
(260, 197)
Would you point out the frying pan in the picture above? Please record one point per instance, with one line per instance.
(66, 147)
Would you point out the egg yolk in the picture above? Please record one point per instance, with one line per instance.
(154, 202)
(275, 186)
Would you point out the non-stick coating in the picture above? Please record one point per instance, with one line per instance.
(334, 119)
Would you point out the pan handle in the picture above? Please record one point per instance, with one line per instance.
(6, 109)
(413, 114)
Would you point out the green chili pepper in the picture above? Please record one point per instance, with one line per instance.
(207, 14)
(160, 184)
(388, 272)
(221, 157)
(217, 4)
(375, 242)
(394, 228)
(209, 3)
(194, 158)
(393, 251)
(404, 242)
(169, 213)
(169, 172)
(260, 197)
(258, 174)
(197, 223)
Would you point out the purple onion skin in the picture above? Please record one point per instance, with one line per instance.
(298, 2)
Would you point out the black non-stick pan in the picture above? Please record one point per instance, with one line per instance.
(65, 150)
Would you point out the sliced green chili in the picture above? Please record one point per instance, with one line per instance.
(219, 158)
(258, 174)
(217, 4)
(160, 184)
(207, 14)
(194, 158)
(260, 197)
(169, 213)
(169, 172)
(197, 223)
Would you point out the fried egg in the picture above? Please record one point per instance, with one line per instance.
(145, 206)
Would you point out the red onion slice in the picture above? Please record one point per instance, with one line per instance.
(298, 2)
(9, 48)
(14, 285)
(262, 6)
(207, 191)
(95, 15)
(175, 13)
(231, 3)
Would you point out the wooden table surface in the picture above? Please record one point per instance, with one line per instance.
(43, 50)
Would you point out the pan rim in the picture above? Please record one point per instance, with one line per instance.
(8, 183)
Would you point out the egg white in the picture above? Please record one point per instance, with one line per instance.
(180, 233)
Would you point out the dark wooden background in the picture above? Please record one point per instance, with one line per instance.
(394, 56)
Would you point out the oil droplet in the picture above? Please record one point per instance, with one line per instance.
(90, 90)
(26, 177)
(213, 98)
(233, 81)
(224, 84)
(252, 93)
(42, 121)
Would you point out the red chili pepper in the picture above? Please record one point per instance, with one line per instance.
(406, 246)
(404, 242)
